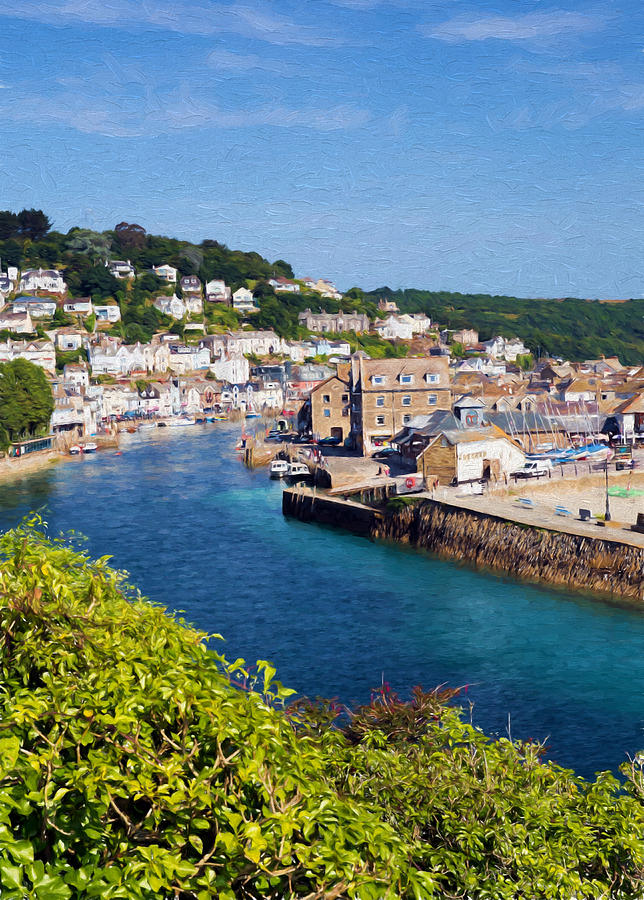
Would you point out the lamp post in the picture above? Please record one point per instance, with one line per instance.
(607, 513)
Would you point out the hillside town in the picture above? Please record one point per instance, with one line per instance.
(446, 401)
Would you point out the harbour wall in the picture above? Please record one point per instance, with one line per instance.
(602, 565)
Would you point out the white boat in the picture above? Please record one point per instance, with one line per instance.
(298, 470)
(89, 448)
(279, 468)
(75, 450)
(145, 425)
(181, 422)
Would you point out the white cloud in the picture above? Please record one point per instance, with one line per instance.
(181, 16)
(529, 27)
(156, 115)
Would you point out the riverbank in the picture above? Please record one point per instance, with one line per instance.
(564, 553)
(11, 468)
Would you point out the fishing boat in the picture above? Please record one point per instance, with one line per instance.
(90, 447)
(279, 468)
(75, 450)
(297, 471)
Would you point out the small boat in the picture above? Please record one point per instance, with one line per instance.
(279, 468)
(253, 415)
(162, 424)
(89, 448)
(181, 422)
(145, 425)
(221, 418)
(75, 450)
(297, 471)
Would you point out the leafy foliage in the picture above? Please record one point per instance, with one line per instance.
(569, 328)
(137, 763)
(26, 401)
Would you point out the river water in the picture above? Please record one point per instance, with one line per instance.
(335, 613)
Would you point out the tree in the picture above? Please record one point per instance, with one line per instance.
(8, 224)
(281, 267)
(33, 224)
(26, 401)
(93, 244)
(130, 235)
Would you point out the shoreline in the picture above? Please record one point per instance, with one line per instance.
(606, 565)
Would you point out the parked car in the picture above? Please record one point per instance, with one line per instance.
(534, 468)
(385, 453)
(330, 442)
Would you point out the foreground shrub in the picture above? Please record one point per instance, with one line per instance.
(137, 763)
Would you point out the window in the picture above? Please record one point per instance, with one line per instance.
(345, 398)
(406, 400)
(327, 413)
(406, 419)
(406, 379)
(380, 401)
(431, 378)
(326, 398)
(380, 420)
(377, 379)
(432, 399)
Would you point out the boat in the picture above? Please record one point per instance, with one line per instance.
(89, 448)
(145, 425)
(221, 417)
(298, 471)
(279, 468)
(253, 415)
(181, 422)
(75, 450)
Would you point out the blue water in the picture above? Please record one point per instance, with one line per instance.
(336, 613)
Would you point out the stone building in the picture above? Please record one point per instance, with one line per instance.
(334, 322)
(387, 393)
(329, 409)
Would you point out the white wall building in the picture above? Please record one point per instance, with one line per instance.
(49, 280)
(234, 369)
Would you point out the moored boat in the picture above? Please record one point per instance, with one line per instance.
(75, 450)
(90, 447)
(279, 468)
(181, 422)
(297, 471)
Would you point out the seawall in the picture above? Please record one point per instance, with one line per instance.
(603, 565)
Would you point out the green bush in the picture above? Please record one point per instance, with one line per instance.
(137, 763)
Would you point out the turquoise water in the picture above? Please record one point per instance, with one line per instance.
(336, 613)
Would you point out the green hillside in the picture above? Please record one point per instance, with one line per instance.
(570, 328)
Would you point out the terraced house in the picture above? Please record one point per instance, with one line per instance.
(387, 393)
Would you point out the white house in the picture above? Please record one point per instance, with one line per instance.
(82, 306)
(171, 306)
(402, 327)
(112, 358)
(108, 313)
(324, 347)
(76, 375)
(16, 322)
(188, 359)
(49, 280)
(260, 343)
(37, 307)
(167, 273)
(243, 300)
(217, 291)
(477, 453)
(267, 393)
(234, 369)
(502, 348)
(121, 268)
(194, 303)
(68, 338)
(41, 353)
(284, 284)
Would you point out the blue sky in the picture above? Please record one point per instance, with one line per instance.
(473, 146)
